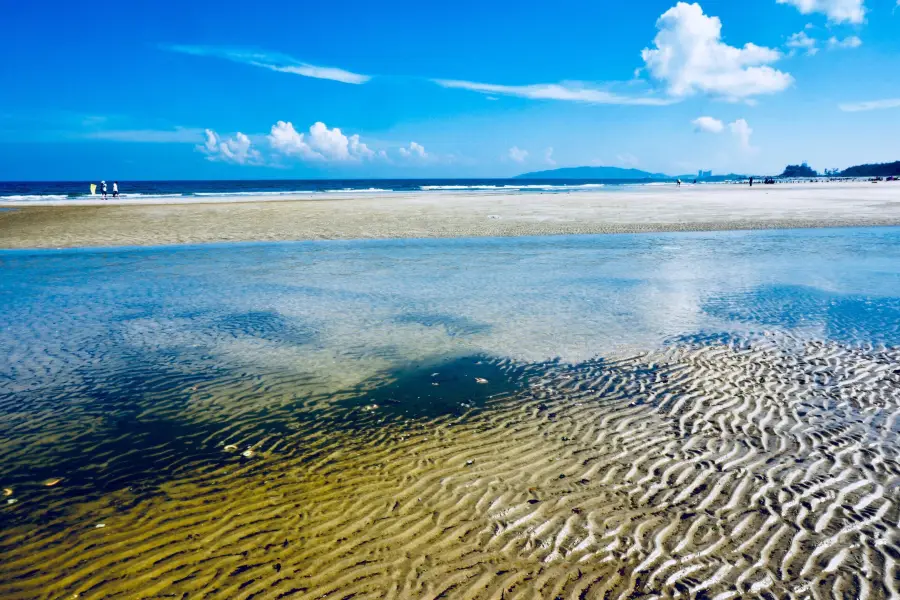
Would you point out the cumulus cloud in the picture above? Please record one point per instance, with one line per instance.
(848, 42)
(320, 143)
(237, 150)
(517, 154)
(413, 151)
(708, 124)
(742, 131)
(570, 92)
(871, 105)
(802, 42)
(548, 154)
(838, 11)
(272, 61)
(689, 56)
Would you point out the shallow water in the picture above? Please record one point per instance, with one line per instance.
(525, 416)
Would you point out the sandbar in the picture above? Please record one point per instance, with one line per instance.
(450, 214)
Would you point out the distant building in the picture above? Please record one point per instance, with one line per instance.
(704, 174)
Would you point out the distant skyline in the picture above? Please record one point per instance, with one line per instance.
(232, 90)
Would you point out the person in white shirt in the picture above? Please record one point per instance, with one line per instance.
(115, 189)
(103, 189)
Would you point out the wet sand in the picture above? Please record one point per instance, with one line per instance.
(434, 215)
(762, 468)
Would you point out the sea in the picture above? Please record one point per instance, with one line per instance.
(44, 191)
(690, 415)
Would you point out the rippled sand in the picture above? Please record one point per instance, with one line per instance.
(713, 468)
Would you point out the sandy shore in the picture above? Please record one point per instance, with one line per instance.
(429, 214)
(753, 470)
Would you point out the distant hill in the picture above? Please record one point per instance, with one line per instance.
(878, 170)
(592, 173)
(803, 170)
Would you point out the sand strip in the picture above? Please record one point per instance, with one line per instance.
(432, 215)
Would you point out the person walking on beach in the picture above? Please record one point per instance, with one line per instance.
(115, 189)
(751, 182)
(103, 189)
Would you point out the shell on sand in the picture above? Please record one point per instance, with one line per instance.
(230, 448)
(7, 492)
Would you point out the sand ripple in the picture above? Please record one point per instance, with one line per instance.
(722, 469)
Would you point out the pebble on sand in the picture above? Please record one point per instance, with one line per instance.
(7, 492)
(230, 448)
(52, 482)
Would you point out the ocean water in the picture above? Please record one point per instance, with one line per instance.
(659, 415)
(45, 191)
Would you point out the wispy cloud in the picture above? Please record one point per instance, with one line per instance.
(517, 154)
(270, 60)
(837, 11)
(570, 92)
(182, 135)
(802, 42)
(871, 105)
(848, 42)
(742, 131)
(548, 156)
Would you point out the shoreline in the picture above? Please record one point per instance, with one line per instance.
(450, 215)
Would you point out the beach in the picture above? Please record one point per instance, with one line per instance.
(701, 414)
(446, 214)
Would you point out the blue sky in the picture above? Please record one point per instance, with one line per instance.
(160, 90)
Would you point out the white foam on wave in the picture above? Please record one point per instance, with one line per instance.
(356, 190)
(544, 186)
(28, 197)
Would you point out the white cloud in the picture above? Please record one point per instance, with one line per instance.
(801, 41)
(570, 92)
(838, 11)
(413, 151)
(517, 154)
(272, 61)
(320, 143)
(548, 156)
(690, 57)
(182, 135)
(741, 130)
(871, 105)
(708, 124)
(848, 42)
(237, 150)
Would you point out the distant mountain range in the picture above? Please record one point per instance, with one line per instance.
(592, 173)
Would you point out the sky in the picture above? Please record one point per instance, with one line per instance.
(340, 89)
